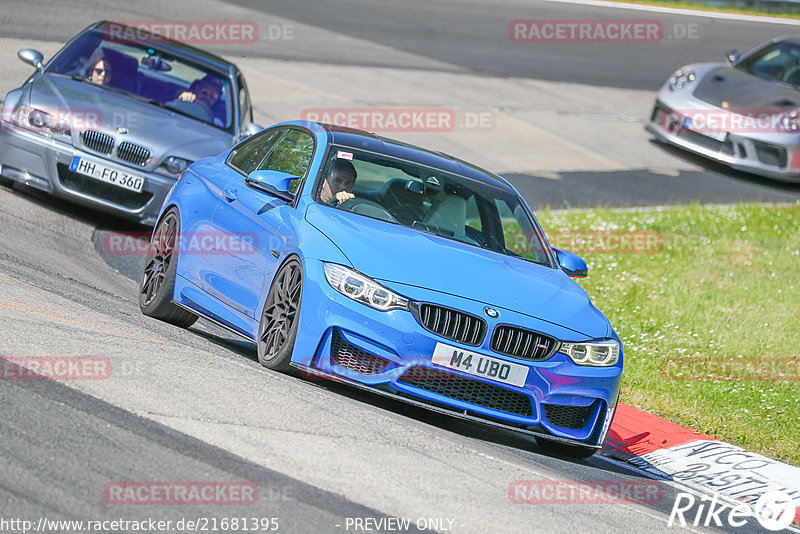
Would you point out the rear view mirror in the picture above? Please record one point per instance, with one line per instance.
(733, 56)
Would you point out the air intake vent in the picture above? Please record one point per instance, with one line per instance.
(468, 390)
(522, 343)
(346, 355)
(451, 324)
(98, 141)
(574, 417)
(133, 153)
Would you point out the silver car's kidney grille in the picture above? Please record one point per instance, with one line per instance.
(98, 141)
(133, 153)
(522, 343)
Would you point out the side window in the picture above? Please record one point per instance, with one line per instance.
(250, 153)
(244, 103)
(292, 155)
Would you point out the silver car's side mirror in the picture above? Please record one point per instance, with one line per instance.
(250, 129)
(31, 57)
(733, 56)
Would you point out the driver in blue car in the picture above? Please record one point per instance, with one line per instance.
(338, 186)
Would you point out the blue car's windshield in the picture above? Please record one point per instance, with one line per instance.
(776, 62)
(141, 69)
(431, 200)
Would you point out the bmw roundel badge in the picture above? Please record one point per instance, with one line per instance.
(491, 312)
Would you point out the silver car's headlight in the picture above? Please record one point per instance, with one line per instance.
(363, 289)
(600, 353)
(39, 121)
(175, 165)
(681, 79)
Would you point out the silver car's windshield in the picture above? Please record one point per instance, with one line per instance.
(431, 200)
(142, 70)
(776, 62)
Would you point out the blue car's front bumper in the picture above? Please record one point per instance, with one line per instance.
(391, 352)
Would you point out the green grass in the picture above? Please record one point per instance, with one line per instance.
(680, 4)
(725, 287)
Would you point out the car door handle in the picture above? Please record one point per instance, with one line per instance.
(230, 194)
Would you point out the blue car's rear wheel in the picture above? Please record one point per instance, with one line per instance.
(278, 328)
(158, 275)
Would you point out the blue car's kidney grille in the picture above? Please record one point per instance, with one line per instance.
(468, 390)
(136, 154)
(98, 141)
(452, 324)
(522, 343)
(574, 417)
(346, 355)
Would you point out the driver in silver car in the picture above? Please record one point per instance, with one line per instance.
(338, 186)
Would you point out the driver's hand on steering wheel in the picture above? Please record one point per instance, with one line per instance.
(187, 96)
(341, 196)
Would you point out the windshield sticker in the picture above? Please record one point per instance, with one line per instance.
(344, 155)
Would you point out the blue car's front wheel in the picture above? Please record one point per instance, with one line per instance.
(278, 327)
(158, 275)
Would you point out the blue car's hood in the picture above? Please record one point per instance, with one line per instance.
(393, 253)
(161, 131)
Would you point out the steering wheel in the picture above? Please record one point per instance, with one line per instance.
(363, 206)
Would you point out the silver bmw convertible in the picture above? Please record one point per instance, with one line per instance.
(743, 113)
(114, 118)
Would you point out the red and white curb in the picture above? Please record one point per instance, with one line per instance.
(704, 463)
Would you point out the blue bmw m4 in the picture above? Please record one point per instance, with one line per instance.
(406, 272)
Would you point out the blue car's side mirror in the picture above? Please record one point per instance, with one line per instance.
(570, 263)
(275, 183)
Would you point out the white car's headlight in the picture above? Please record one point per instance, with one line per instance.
(600, 353)
(363, 289)
(681, 78)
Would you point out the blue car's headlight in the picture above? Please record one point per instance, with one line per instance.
(681, 78)
(362, 289)
(600, 353)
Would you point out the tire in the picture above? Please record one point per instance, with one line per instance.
(158, 275)
(564, 449)
(277, 330)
